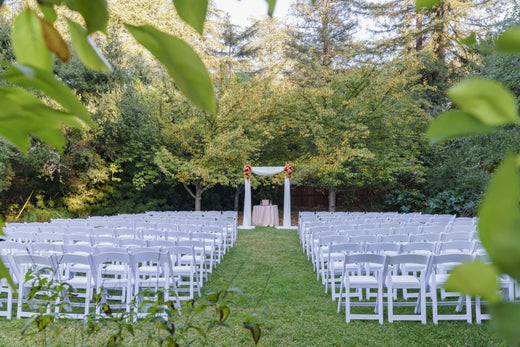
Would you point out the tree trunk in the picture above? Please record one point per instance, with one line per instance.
(419, 26)
(198, 196)
(332, 198)
(325, 33)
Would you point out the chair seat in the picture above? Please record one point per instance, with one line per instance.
(182, 270)
(78, 281)
(440, 279)
(362, 280)
(149, 270)
(404, 280)
(151, 282)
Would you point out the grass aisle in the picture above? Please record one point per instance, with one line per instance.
(295, 310)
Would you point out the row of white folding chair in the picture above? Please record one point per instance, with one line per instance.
(137, 224)
(331, 255)
(383, 216)
(368, 271)
(216, 239)
(325, 238)
(205, 258)
(127, 232)
(310, 232)
(129, 273)
(386, 217)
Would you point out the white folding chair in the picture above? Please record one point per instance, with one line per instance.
(51, 237)
(104, 241)
(113, 280)
(11, 247)
(437, 278)
(506, 285)
(5, 288)
(202, 260)
(78, 239)
(46, 249)
(184, 267)
(456, 236)
(78, 271)
(153, 272)
(40, 267)
(425, 248)
(363, 278)
(334, 265)
(160, 243)
(132, 243)
(365, 239)
(395, 238)
(426, 237)
(399, 279)
(322, 250)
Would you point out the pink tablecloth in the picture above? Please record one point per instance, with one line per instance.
(265, 215)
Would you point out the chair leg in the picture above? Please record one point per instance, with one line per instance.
(340, 295)
(478, 310)
(9, 303)
(380, 304)
(468, 309)
(434, 305)
(347, 304)
(390, 303)
(422, 297)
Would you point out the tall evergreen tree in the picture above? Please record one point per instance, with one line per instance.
(323, 32)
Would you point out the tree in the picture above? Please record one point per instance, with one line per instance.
(234, 46)
(201, 149)
(323, 32)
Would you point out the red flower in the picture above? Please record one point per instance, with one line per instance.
(288, 170)
(247, 171)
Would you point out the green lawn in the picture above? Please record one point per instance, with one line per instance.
(294, 309)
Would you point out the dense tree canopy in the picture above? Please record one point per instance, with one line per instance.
(347, 111)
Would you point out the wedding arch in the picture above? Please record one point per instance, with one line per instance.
(267, 171)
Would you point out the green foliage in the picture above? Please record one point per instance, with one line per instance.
(483, 103)
(192, 12)
(463, 280)
(499, 216)
(420, 4)
(486, 100)
(182, 63)
(271, 6)
(447, 202)
(453, 124)
(406, 201)
(45, 291)
(506, 317)
(25, 115)
(95, 13)
(48, 85)
(509, 41)
(86, 49)
(28, 42)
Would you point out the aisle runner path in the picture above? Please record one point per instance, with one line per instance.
(295, 309)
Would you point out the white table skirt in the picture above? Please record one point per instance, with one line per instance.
(265, 215)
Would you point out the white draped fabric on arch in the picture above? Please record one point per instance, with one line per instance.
(267, 171)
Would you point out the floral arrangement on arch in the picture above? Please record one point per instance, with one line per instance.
(247, 171)
(288, 170)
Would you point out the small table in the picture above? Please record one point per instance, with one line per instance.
(265, 215)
